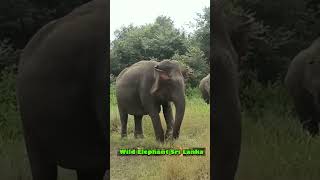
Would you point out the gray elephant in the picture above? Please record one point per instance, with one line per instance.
(204, 87)
(62, 94)
(227, 46)
(303, 84)
(143, 88)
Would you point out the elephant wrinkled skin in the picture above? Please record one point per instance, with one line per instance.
(303, 83)
(204, 87)
(62, 94)
(226, 48)
(143, 88)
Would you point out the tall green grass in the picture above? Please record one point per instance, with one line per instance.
(195, 132)
(274, 146)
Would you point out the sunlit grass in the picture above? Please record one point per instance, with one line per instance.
(195, 132)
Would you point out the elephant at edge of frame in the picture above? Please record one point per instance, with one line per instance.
(204, 87)
(62, 94)
(303, 84)
(229, 43)
(143, 88)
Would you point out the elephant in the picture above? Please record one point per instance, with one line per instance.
(226, 49)
(204, 87)
(62, 92)
(143, 88)
(303, 84)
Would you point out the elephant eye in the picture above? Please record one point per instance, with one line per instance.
(311, 62)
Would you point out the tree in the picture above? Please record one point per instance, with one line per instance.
(160, 40)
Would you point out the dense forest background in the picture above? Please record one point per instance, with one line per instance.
(162, 40)
(282, 28)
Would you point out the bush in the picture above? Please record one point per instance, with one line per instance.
(196, 60)
(10, 125)
(8, 55)
(256, 97)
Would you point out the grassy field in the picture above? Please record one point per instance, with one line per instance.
(195, 132)
(273, 144)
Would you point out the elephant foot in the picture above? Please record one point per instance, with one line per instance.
(138, 135)
(160, 139)
(168, 134)
(312, 127)
(175, 135)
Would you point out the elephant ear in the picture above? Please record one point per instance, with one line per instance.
(159, 75)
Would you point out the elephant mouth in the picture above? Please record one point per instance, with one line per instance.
(158, 69)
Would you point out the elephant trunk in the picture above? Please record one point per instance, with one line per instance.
(179, 103)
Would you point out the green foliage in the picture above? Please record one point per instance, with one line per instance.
(195, 59)
(256, 97)
(10, 125)
(160, 40)
(283, 28)
(20, 19)
(8, 55)
(201, 36)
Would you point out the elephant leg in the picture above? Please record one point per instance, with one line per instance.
(124, 121)
(167, 112)
(313, 125)
(96, 174)
(157, 126)
(304, 111)
(208, 99)
(138, 132)
(41, 167)
(43, 170)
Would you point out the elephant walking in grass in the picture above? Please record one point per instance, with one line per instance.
(229, 43)
(204, 87)
(303, 84)
(62, 94)
(143, 88)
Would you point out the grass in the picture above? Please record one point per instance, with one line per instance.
(195, 132)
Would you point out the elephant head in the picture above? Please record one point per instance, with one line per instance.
(169, 83)
(168, 72)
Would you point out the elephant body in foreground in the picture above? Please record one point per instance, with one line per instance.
(62, 94)
(204, 87)
(303, 83)
(228, 43)
(143, 88)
